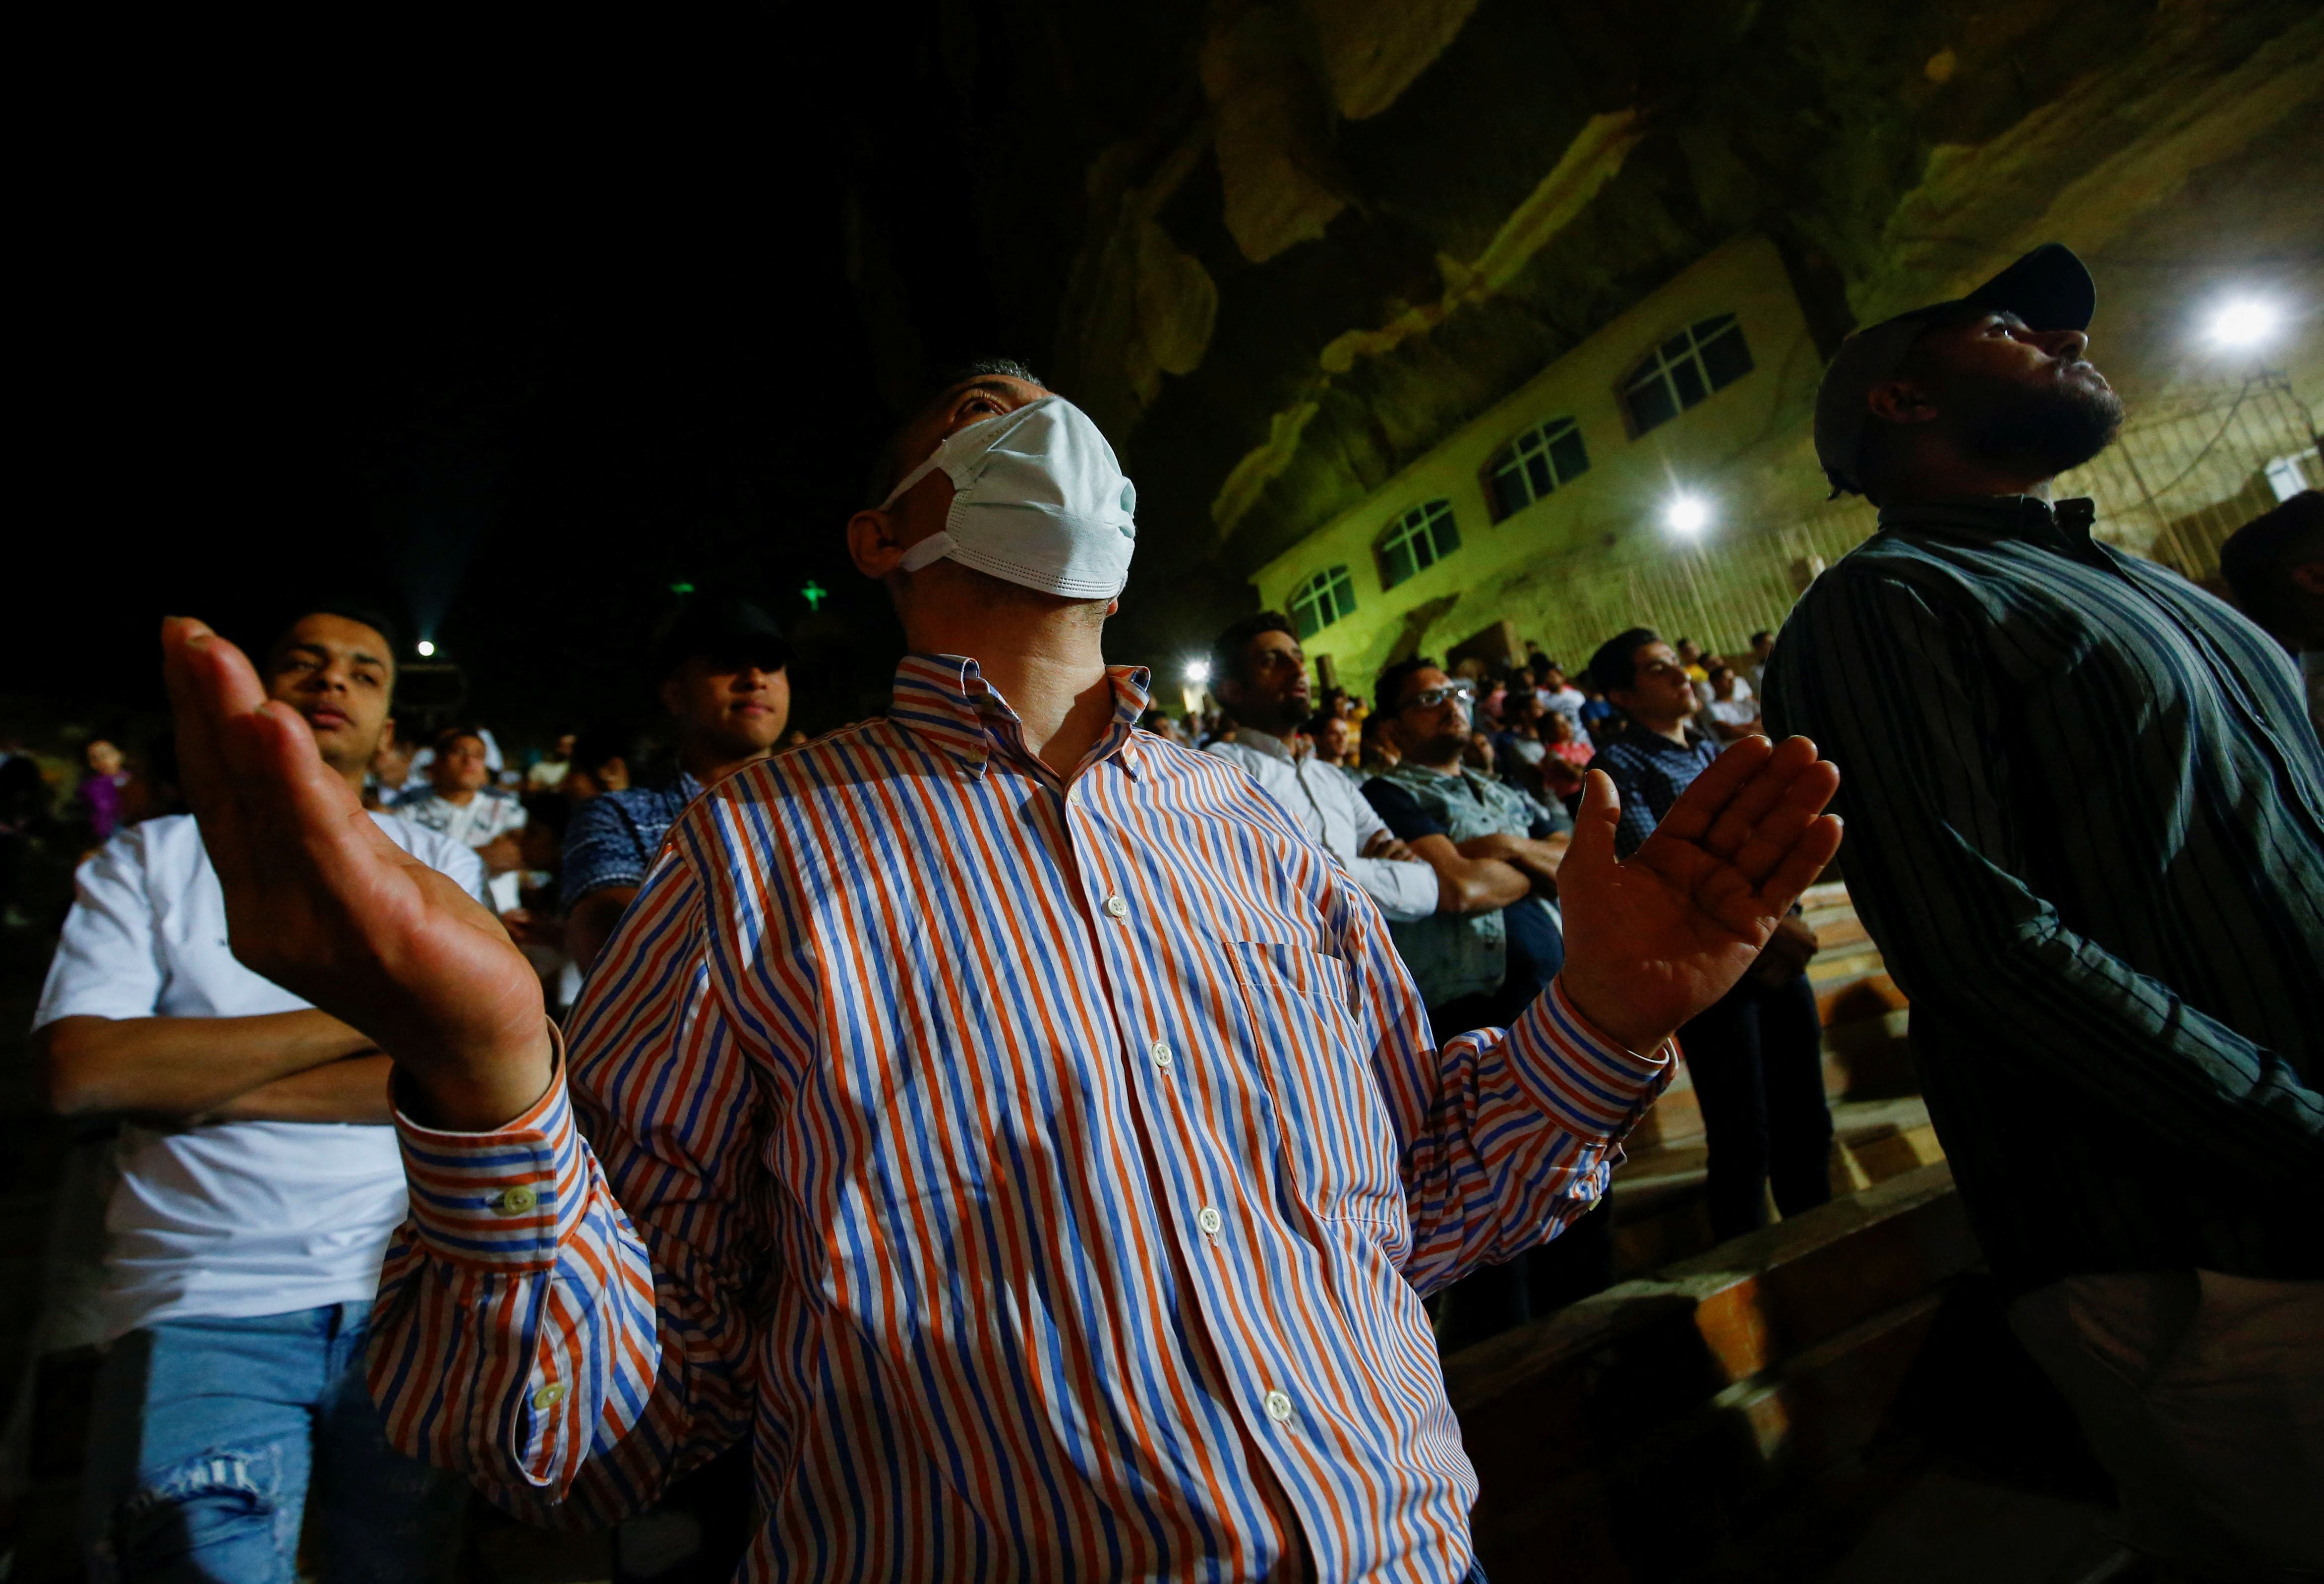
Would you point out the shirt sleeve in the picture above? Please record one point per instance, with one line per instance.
(566, 1320)
(1935, 864)
(601, 849)
(1503, 1136)
(1403, 890)
(107, 962)
(1401, 811)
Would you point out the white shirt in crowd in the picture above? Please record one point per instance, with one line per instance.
(1337, 817)
(222, 1219)
(1739, 711)
(489, 815)
(1566, 701)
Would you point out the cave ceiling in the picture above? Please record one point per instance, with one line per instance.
(1279, 248)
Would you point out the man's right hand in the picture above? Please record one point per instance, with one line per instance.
(318, 900)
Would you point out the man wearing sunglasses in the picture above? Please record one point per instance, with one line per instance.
(1493, 944)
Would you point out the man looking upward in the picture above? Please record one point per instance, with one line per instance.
(2086, 825)
(1262, 683)
(1009, 1121)
(259, 1184)
(725, 682)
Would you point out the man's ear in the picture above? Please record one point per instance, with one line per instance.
(1227, 690)
(2308, 578)
(1900, 402)
(386, 737)
(670, 696)
(874, 542)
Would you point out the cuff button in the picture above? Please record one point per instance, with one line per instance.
(516, 1200)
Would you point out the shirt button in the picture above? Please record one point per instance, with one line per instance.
(1162, 1056)
(516, 1200)
(1210, 1221)
(550, 1396)
(1117, 907)
(1278, 1407)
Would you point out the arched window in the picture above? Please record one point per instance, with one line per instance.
(1699, 359)
(1323, 600)
(1417, 541)
(1533, 464)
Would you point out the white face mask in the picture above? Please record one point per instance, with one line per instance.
(1037, 500)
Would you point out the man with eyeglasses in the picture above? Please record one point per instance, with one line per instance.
(1493, 944)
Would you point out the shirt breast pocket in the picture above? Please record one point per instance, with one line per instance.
(1337, 1142)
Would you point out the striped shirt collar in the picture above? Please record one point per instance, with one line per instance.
(2061, 525)
(946, 700)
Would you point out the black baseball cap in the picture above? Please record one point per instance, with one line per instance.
(2050, 289)
(729, 630)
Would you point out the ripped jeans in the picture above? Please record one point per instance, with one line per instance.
(205, 1433)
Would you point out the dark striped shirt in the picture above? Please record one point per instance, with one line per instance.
(1650, 771)
(2086, 827)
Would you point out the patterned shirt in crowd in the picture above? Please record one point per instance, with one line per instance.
(1045, 1174)
(2086, 827)
(485, 817)
(1650, 771)
(613, 838)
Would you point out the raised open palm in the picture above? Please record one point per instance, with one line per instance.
(318, 900)
(1655, 939)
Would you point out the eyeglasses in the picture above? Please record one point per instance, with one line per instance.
(1428, 698)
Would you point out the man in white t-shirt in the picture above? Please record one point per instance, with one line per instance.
(260, 1182)
(1262, 680)
(462, 803)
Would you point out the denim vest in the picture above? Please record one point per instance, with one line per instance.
(1452, 955)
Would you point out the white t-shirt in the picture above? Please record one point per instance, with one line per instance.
(225, 1219)
(487, 816)
(1333, 812)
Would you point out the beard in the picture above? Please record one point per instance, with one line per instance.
(2046, 428)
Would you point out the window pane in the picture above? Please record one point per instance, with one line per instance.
(1446, 538)
(1678, 346)
(1508, 491)
(1396, 564)
(1651, 404)
(1572, 459)
(1688, 378)
(1303, 616)
(1537, 472)
(1342, 595)
(1725, 357)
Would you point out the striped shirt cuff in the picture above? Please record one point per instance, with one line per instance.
(1582, 1077)
(502, 1201)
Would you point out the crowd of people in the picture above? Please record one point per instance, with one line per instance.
(996, 1140)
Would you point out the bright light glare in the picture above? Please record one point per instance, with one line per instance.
(1198, 672)
(2244, 321)
(1687, 514)
(425, 648)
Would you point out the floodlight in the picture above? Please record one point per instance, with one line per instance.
(2245, 322)
(1198, 672)
(1687, 514)
(426, 647)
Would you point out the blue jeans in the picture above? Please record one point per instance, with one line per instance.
(205, 1433)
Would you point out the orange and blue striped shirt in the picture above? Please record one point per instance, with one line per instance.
(1044, 1173)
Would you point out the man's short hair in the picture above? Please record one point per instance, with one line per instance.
(2258, 557)
(1388, 692)
(1226, 653)
(1762, 633)
(1616, 664)
(891, 464)
(594, 751)
(451, 734)
(345, 610)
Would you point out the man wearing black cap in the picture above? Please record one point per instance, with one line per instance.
(724, 668)
(2086, 827)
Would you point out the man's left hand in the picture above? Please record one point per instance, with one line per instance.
(1652, 939)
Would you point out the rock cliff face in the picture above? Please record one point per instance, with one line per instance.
(1281, 247)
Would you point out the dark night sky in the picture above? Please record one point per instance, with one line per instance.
(510, 345)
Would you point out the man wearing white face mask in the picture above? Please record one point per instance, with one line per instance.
(1007, 1119)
